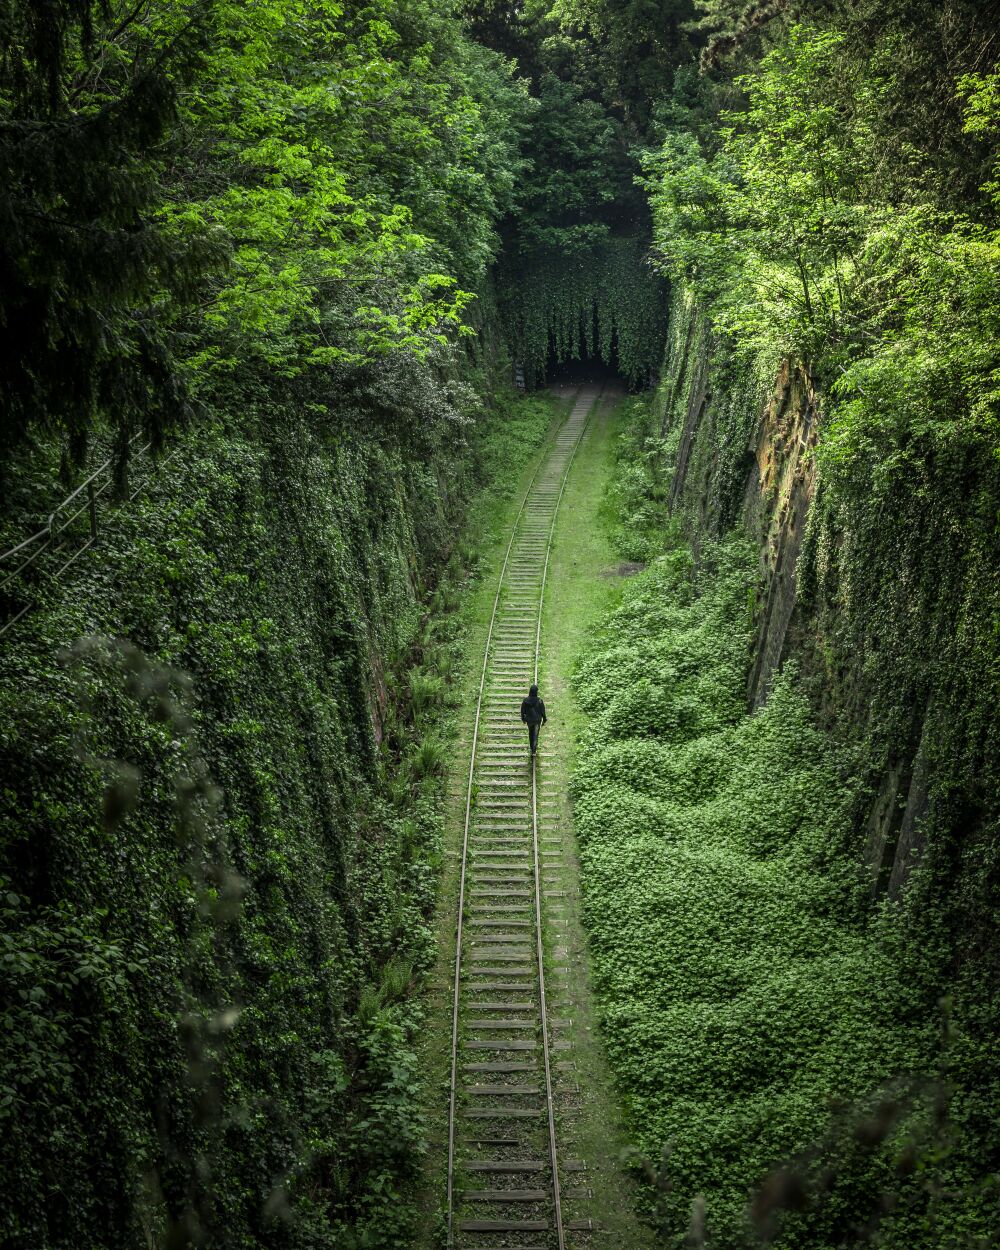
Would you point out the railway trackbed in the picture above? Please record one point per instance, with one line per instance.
(509, 1182)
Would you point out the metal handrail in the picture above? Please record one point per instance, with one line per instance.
(49, 536)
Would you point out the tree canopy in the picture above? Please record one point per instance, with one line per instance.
(197, 186)
(301, 249)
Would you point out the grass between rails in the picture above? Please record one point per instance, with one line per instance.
(754, 1007)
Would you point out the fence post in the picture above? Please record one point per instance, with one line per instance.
(93, 509)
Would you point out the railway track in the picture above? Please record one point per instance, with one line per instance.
(508, 1184)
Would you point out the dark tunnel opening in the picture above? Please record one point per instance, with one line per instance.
(585, 366)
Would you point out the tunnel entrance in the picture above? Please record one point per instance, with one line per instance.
(585, 367)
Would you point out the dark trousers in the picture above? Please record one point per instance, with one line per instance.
(533, 737)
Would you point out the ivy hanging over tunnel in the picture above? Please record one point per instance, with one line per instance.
(601, 300)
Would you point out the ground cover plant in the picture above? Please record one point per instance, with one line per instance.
(295, 251)
(762, 1020)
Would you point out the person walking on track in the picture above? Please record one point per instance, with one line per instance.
(533, 715)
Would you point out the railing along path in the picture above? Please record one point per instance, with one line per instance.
(72, 528)
(506, 1178)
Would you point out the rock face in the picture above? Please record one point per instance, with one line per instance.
(757, 470)
(779, 492)
(743, 453)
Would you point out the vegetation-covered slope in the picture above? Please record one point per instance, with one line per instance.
(220, 843)
(817, 879)
(772, 1033)
(194, 192)
(248, 232)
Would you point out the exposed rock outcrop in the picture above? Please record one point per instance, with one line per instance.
(743, 453)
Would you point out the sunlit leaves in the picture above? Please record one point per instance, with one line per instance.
(797, 246)
(335, 155)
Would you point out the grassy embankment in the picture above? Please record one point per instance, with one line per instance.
(751, 999)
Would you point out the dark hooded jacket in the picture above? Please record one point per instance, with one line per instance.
(532, 708)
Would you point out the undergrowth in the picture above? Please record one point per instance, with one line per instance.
(763, 1033)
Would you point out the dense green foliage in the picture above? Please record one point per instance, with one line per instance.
(194, 189)
(574, 282)
(869, 140)
(208, 1012)
(824, 204)
(81, 258)
(813, 223)
(219, 833)
(760, 1017)
(636, 45)
(300, 242)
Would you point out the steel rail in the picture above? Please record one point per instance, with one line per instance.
(502, 582)
(465, 849)
(542, 1005)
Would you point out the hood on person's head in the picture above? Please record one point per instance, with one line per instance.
(532, 693)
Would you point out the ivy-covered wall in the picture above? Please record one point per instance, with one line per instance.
(219, 817)
(877, 576)
(804, 1048)
(876, 602)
